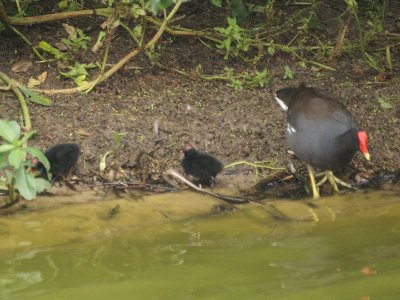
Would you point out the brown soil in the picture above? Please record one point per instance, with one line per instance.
(233, 125)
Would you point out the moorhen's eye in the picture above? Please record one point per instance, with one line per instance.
(320, 131)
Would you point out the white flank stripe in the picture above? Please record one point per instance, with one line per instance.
(281, 103)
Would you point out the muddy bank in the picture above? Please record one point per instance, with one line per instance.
(122, 114)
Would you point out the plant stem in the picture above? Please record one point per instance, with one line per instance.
(24, 107)
(28, 42)
(123, 61)
(59, 16)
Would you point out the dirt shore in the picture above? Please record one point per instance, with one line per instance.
(122, 114)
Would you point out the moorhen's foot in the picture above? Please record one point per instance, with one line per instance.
(69, 184)
(334, 181)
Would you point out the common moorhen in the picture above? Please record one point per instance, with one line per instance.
(321, 132)
(62, 158)
(200, 165)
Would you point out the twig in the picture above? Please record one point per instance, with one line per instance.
(231, 200)
(123, 61)
(59, 16)
(256, 164)
(25, 39)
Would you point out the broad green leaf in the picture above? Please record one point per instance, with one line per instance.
(16, 157)
(6, 147)
(39, 155)
(35, 97)
(239, 10)
(9, 130)
(25, 184)
(157, 5)
(3, 161)
(42, 185)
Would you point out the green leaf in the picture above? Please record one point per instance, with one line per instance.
(6, 147)
(25, 183)
(63, 5)
(288, 73)
(137, 11)
(157, 5)
(3, 161)
(45, 46)
(9, 130)
(42, 185)
(35, 97)
(385, 104)
(16, 157)
(39, 155)
(217, 3)
(239, 10)
(77, 70)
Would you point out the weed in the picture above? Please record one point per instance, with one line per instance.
(235, 39)
(14, 164)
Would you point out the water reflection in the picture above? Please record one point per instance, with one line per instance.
(243, 255)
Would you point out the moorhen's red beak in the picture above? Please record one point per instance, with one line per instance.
(362, 142)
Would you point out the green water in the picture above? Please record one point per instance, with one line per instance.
(246, 254)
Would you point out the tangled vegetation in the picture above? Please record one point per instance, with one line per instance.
(301, 35)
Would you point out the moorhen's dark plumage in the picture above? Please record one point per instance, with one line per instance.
(201, 165)
(320, 131)
(62, 158)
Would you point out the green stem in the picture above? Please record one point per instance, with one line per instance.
(28, 42)
(24, 107)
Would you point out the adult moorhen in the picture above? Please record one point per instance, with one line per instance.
(321, 132)
(62, 158)
(201, 165)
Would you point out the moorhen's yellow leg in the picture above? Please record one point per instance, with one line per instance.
(314, 187)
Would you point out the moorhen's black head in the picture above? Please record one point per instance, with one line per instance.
(187, 149)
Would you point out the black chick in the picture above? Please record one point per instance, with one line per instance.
(201, 165)
(62, 158)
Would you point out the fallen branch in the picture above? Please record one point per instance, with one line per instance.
(229, 199)
(122, 62)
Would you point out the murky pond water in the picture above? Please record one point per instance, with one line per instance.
(183, 251)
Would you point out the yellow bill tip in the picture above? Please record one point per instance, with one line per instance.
(367, 156)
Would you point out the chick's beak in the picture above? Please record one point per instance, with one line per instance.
(367, 156)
